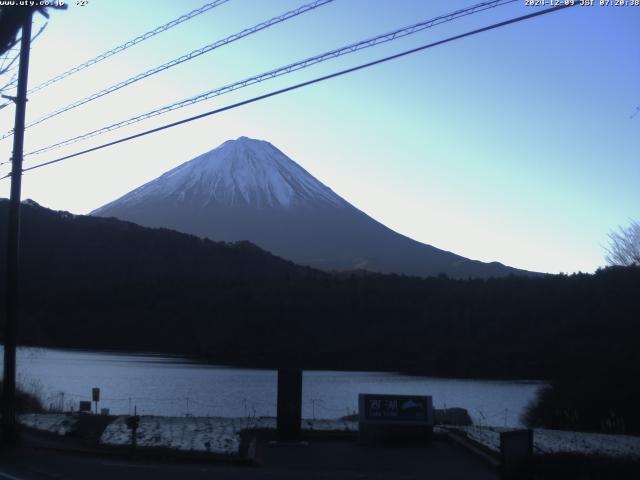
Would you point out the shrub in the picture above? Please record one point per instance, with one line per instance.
(26, 401)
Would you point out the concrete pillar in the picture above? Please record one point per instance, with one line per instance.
(289, 404)
(516, 452)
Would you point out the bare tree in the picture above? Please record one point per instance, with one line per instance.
(624, 245)
(12, 17)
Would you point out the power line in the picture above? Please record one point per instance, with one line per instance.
(177, 61)
(130, 43)
(387, 37)
(301, 85)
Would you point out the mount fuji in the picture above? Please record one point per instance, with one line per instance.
(247, 189)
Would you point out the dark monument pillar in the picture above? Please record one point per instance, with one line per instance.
(516, 451)
(289, 404)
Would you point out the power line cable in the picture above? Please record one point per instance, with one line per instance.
(177, 61)
(301, 85)
(130, 43)
(387, 37)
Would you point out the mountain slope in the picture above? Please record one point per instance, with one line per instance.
(249, 190)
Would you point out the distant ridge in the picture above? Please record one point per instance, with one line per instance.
(247, 189)
(63, 250)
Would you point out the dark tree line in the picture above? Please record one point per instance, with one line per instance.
(105, 284)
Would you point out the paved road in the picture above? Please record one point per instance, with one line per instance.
(323, 460)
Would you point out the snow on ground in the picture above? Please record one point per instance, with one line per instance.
(553, 441)
(58, 423)
(219, 435)
(222, 435)
(201, 434)
(557, 441)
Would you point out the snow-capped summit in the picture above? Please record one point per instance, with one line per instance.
(239, 172)
(247, 189)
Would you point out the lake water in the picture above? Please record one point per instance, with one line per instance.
(163, 385)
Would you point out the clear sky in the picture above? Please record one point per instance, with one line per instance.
(514, 145)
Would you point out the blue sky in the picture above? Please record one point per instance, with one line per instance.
(514, 145)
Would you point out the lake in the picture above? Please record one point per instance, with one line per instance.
(165, 385)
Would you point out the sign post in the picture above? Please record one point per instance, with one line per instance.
(95, 394)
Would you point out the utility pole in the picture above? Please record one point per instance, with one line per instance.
(9, 426)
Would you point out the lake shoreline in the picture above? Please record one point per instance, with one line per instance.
(157, 384)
